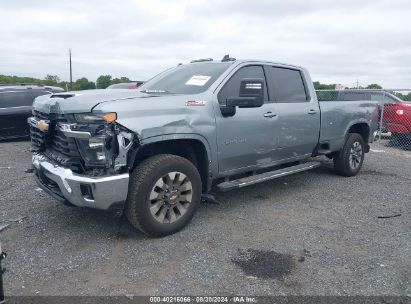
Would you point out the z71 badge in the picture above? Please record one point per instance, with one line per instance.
(235, 141)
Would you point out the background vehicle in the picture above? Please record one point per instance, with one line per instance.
(15, 108)
(397, 118)
(154, 152)
(126, 85)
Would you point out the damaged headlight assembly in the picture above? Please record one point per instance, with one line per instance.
(98, 139)
(98, 149)
(95, 117)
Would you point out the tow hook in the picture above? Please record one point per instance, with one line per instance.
(3, 255)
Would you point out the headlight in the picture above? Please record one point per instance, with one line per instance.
(96, 150)
(95, 117)
(96, 142)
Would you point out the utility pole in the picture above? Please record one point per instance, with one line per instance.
(357, 79)
(71, 72)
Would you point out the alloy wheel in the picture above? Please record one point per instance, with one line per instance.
(355, 155)
(170, 197)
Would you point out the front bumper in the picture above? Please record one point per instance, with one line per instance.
(106, 193)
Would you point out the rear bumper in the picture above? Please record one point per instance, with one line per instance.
(108, 192)
(397, 128)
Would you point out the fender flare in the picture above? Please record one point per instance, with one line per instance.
(211, 157)
(355, 122)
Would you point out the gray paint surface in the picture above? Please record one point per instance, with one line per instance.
(246, 141)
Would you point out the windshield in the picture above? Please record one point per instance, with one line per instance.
(186, 79)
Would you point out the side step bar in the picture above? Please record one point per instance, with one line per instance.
(255, 179)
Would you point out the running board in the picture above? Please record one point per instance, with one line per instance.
(323, 152)
(255, 179)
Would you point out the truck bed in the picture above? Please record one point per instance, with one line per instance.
(338, 116)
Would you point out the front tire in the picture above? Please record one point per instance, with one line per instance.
(164, 193)
(348, 161)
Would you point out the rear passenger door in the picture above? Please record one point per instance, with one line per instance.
(298, 114)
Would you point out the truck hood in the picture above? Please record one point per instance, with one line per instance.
(82, 101)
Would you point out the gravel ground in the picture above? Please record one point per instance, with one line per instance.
(314, 233)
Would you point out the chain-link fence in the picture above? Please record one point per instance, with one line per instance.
(394, 106)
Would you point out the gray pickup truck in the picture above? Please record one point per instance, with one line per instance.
(156, 152)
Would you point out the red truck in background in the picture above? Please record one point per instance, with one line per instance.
(397, 117)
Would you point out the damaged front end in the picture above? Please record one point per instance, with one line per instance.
(103, 144)
(88, 143)
(83, 158)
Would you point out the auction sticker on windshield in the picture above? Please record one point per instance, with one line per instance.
(198, 80)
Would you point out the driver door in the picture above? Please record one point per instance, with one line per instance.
(246, 139)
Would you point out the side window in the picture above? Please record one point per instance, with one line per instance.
(288, 85)
(353, 96)
(232, 86)
(37, 93)
(367, 96)
(383, 97)
(10, 99)
(390, 99)
(377, 97)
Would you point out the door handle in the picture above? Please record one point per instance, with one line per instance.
(270, 114)
(312, 111)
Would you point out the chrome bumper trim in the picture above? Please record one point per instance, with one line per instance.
(63, 127)
(106, 191)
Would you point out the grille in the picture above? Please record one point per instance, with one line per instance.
(40, 115)
(38, 138)
(54, 143)
(62, 144)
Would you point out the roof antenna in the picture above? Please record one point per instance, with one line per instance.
(227, 58)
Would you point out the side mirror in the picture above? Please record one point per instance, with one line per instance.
(251, 95)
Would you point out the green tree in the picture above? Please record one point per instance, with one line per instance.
(403, 96)
(103, 81)
(322, 86)
(374, 86)
(6, 79)
(120, 80)
(64, 85)
(52, 80)
(83, 84)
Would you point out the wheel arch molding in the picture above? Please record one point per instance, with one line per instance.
(193, 147)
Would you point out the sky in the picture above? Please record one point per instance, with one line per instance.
(345, 41)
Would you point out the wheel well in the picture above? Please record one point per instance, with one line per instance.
(361, 128)
(191, 149)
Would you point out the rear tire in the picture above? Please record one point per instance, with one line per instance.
(398, 139)
(164, 193)
(348, 161)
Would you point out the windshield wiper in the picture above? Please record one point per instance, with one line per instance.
(156, 92)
